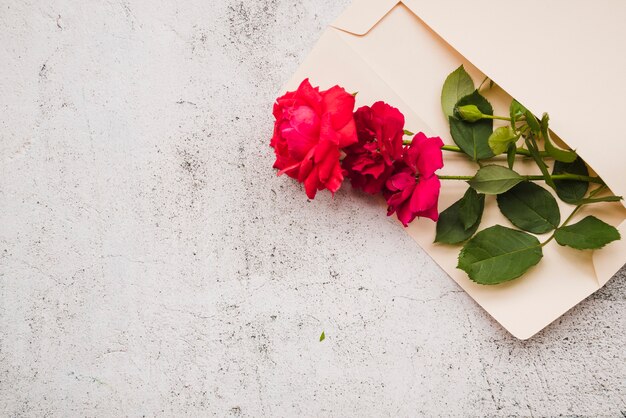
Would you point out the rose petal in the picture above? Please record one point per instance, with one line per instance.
(311, 184)
(425, 195)
(400, 181)
(429, 155)
(309, 96)
(339, 105)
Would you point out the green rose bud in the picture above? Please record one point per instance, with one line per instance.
(469, 113)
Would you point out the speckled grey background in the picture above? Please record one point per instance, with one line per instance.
(151, 263)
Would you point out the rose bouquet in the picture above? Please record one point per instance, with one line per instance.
(320, 140)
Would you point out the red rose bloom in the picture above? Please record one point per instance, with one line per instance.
(413, 190)
(369, 163)
(311, 128)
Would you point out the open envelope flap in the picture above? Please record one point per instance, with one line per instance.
(562, 57)
(362, 15)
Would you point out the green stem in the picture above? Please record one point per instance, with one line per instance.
(453, 148)
(571, 215)
(564, 176)
(496, 117)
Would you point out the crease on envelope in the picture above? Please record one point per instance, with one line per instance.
(353, 52)
(361, 16)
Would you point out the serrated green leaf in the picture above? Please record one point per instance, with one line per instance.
(494, 179)
(457, 85)
(530, 207)
(571, 191)
(589, 234)
(556, 153)
(451, 228)
(471, 208)
(501, 138)
(472, 137)
(498, 254)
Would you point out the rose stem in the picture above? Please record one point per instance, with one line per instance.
(564, 176)
(453, 148)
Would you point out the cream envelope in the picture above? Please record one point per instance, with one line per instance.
(561, 57)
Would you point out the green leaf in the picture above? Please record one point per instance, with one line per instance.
(556, 153)
(457, 85)
(501, 138)
(498, 254)
(571, 191)
(471, 208)
(532, 122)
(516, 110)
(495, 179)
(409, 133)
(322, 337)
(473, 137)
(589, 234)
(451, 227)
(531, 208)
(511, 152)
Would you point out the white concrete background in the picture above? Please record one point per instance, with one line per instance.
(152, 264)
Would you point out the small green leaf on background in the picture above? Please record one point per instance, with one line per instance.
(589, 234)
(571, 191)
(495, 179)
(409, 133)
(531, 208)
(472, 137)
(322, 337)
(501, 138)
(498, 254)
(457, 85)
(451, 226)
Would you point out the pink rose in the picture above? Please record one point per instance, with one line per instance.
(369, 163)
(310, 130)
(413, 189)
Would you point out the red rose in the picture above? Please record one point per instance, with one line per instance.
(369, 163)
(310, 130)
(414, 188)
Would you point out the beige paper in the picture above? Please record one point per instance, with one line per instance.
(384, 51)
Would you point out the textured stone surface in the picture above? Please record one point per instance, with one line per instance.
(151, 263)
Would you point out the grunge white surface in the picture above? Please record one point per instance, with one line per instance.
(152, 264)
